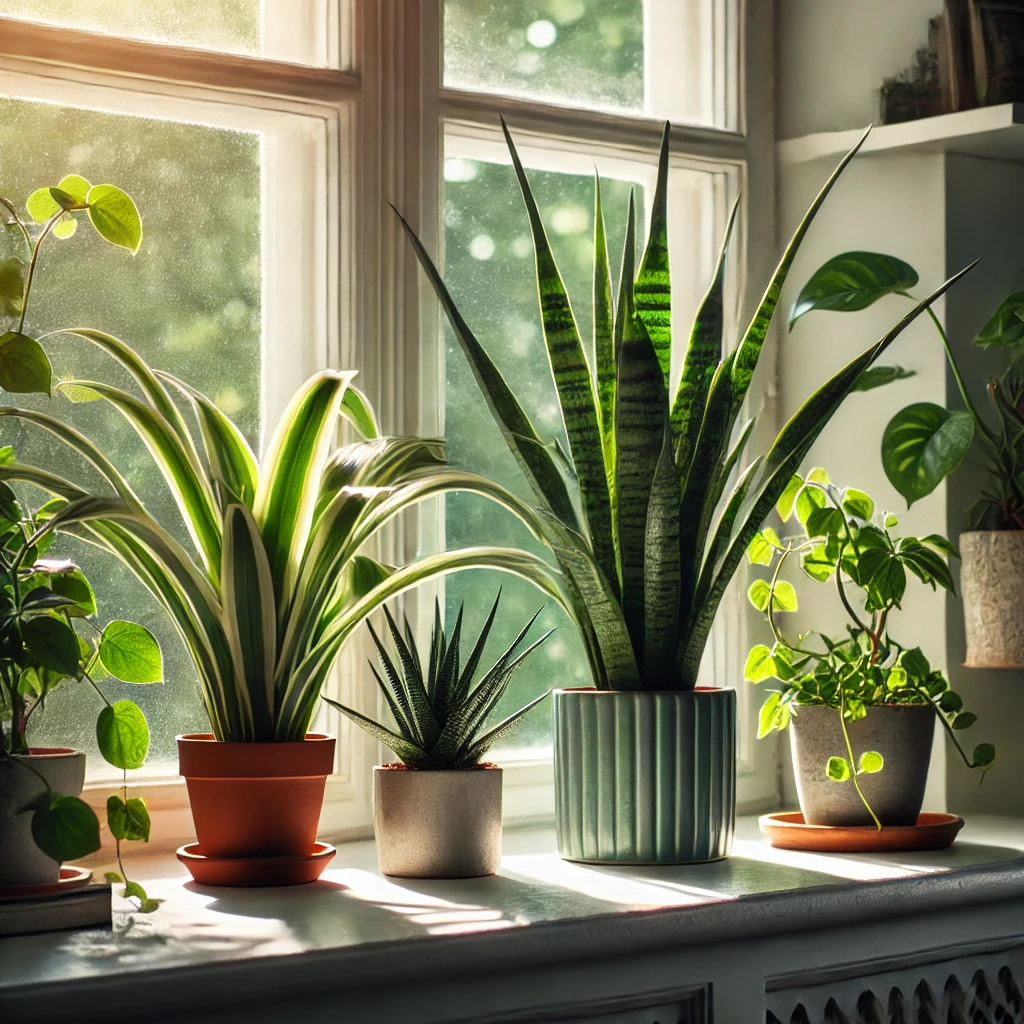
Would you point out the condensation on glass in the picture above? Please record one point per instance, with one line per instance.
(662, 58)
(490, 267)
(189, 301)
(300, 31)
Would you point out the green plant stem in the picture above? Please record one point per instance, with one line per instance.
(776, 632)
(32, 266)
(849, 751)
(17, 222)
(945, 724)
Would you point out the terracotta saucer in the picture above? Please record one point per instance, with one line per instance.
(787, 831)
(255, 871)
(70, 878)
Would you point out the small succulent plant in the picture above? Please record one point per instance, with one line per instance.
(439, 712)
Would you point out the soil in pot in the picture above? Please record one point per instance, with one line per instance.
(992, 584)
(902, 734)
(437, 824)
(21, 861)
(255, 799)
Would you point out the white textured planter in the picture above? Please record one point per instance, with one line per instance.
(437, 824)
(21, 861)
(992, 585)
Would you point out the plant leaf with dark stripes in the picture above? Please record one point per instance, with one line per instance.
(661, 570)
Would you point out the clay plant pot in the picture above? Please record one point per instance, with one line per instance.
(645, 777)
(255, 799)
(437, 824)
(992, 583)
(21, 861)
(901, 734)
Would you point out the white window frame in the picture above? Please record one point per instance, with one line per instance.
(359, 289)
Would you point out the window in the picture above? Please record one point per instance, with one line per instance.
(262, 148)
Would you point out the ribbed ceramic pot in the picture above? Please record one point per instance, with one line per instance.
(992, 584)
(902, 735)
(21, 861)
(644, 777)
(255, 799)
(437, 824)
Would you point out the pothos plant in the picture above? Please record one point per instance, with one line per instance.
(49, 638)
(51, 211)
(845, 542)
(924, 442)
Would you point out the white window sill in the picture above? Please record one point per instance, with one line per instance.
(356, 928)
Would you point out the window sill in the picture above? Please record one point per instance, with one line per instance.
(355, 930)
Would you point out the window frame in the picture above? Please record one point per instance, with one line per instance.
(384, 109)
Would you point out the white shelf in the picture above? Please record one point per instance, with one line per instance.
(993, 132)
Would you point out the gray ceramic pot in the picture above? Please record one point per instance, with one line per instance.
(21, 861)
(645, 778)
(902, 735)
(437, 824)
(992, 583)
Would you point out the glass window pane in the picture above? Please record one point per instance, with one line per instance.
(276, 29)
(663, 58)
(189, 301)
(489, 266)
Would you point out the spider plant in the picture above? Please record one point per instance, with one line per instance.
(647, 525)
(279, 575)
(438, 711)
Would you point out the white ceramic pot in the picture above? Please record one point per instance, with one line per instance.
(21, 861)
(992, 584)
(437, 824)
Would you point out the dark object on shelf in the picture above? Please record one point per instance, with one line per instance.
(913, 93)
(997, 47)
(952, 43)
(81, 906)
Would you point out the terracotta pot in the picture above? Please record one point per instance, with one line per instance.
(21, 861)
(255, 799)
(992, 583)
(437, 824)
(645, 777)
(901, 734)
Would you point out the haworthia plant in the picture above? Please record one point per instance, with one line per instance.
(655, 461)
(281, 571)
(441, 712)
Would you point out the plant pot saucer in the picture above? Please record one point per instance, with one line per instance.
(788, 831)
(255, 871)
(70, 878)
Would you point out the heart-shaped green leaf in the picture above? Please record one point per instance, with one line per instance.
(53, 643)
(783, 596)
(871, 761)
(130, 652)
(12, 285)
(852, 281)
(42, 206)
(838, 769)
(24, 368)
(857, 503)
(922, 445)
(760, 664)
(75, 586)
(66, 829)
(115, 216)
(128, 820)
(1004, 328)
(123, 735)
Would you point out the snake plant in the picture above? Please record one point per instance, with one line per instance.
(439, 712)
(279, 576)
(643, 517)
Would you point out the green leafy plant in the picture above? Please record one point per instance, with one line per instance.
(279, 577)
(924, 442)
(641, 514)
(439, 712)
(48, 638)
(24, 366)
(847, 543)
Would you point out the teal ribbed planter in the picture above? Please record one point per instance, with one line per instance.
(645, 778)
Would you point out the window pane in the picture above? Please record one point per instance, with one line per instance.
(664, 58)
(190, 302)
(276, 29)
(489, 265)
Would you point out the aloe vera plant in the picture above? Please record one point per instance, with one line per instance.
(647, 523)
(439, 713)
(280, 575)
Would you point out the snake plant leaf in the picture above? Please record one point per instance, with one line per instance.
(922, 444)
(574, 381)
(230, 458)
(533, 458)
(356, 408)
(879, 376)
(661, 568)
(703, 354)
(1004, 328)
(250, 617)
(639, 431)
(604, 341)
(749, 351)
(653, 291)
(852, 281)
